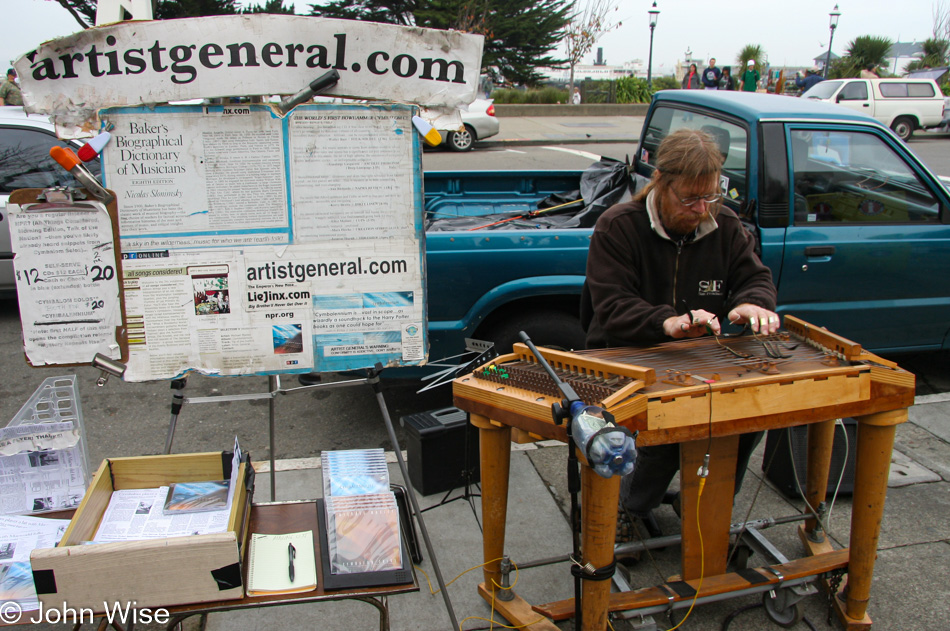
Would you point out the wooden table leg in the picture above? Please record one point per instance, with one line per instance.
(495, 460)
(872, 464)
(715, 509)
(820, 443)
(599, 500)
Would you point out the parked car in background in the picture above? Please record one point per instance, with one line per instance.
(904, 105)
(25, 141)
(479, 123)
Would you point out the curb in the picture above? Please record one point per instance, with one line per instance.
(527, 142)
(504, 110)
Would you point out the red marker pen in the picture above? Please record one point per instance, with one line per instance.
(94, 147)
(70, 161)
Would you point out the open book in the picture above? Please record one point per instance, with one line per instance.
(281, 564)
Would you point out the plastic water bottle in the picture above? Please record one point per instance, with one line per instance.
(610, 450)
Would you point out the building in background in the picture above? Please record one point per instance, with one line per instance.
(820, 60)
(600, 70)
(901, 54)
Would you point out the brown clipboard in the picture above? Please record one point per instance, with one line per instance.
(31, 201)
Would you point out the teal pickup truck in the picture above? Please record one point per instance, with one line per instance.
(855, 228)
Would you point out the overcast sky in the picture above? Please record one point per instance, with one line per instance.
(791, 32)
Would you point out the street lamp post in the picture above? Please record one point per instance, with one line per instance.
(654, 14)
(833, 24)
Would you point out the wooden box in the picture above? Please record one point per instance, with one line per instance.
(151, 573)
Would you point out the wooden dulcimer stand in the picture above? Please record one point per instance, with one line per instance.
(702, 393)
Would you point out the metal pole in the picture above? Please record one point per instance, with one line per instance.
(273, 384)
(373, 380)
(828, 56)
(650, 61)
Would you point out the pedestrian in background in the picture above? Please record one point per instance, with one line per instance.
(711, 75)
(10, 91)
(868, 72)
(726, 82)
(750, 78)
(811, 77)
(691, 79)
(576, 97)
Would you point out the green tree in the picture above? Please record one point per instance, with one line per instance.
(583, 31)
(171, 9)
(754, 52)
(863, 51)
(936, 53)
(270, 6)
(84, 11)
(519, 34)
(387, 11)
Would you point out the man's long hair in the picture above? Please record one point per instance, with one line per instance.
(686, 154)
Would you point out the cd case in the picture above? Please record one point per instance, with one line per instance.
(399, 576)
(196, 497)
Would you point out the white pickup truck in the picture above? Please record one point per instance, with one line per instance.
(904, 105)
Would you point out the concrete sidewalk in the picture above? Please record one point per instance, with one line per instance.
(908, 590)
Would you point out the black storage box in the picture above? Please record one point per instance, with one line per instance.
(777, 462)
(442, 450)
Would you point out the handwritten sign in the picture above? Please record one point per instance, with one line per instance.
(67, 281)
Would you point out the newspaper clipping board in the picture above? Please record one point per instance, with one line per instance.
(260, 244)
(67, 276)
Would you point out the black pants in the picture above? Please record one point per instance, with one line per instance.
(643, 490)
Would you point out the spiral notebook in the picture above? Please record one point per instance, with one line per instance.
(270, 558)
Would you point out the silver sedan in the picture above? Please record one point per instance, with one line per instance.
(478, 122)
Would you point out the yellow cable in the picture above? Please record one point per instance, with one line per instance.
(702, 555)
(491, 621)
(433, 592)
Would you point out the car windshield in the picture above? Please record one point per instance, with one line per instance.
(822, 90)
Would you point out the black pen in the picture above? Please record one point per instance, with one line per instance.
(291, 553)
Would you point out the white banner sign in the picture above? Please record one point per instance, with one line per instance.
(132, 63)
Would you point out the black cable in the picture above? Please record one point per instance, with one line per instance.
(741, 610)
(736, 613)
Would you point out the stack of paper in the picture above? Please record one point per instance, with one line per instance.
(178, 510)
(19, 536)
(361, 512)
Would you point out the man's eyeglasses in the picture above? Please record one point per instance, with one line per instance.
(712, 198)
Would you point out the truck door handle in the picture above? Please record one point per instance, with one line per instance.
(819, 250)
(867, 105)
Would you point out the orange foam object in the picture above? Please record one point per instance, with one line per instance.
(65, 157)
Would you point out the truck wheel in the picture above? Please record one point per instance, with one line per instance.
(554, 329)
(462, 140)
(904, 127)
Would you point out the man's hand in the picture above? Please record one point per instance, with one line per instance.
(761, 320)
(692, 324)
